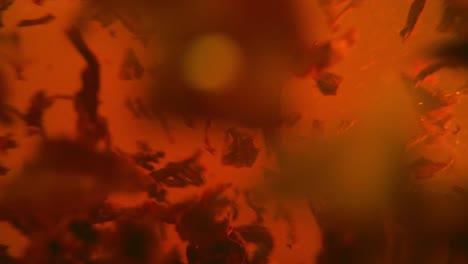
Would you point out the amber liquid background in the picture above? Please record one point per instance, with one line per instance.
(372, 92)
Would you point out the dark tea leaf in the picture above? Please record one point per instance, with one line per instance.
(240, 149)
(146, 157)
(34, 115)
(328, 83)
(413, 16)
(92, 127)
(182, 173)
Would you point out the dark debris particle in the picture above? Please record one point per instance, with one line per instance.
(131, 67)
(37, 21)
(146, 157)
(240, 150)
(429, 70)
(413, 16)
(328, 83)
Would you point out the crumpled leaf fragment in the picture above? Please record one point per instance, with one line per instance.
(328, 83)
(181, 173)
(413, 15)
(146, 157)
(240, 149)
(92, 127)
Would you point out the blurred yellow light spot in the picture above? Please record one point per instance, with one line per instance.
(212, 62)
